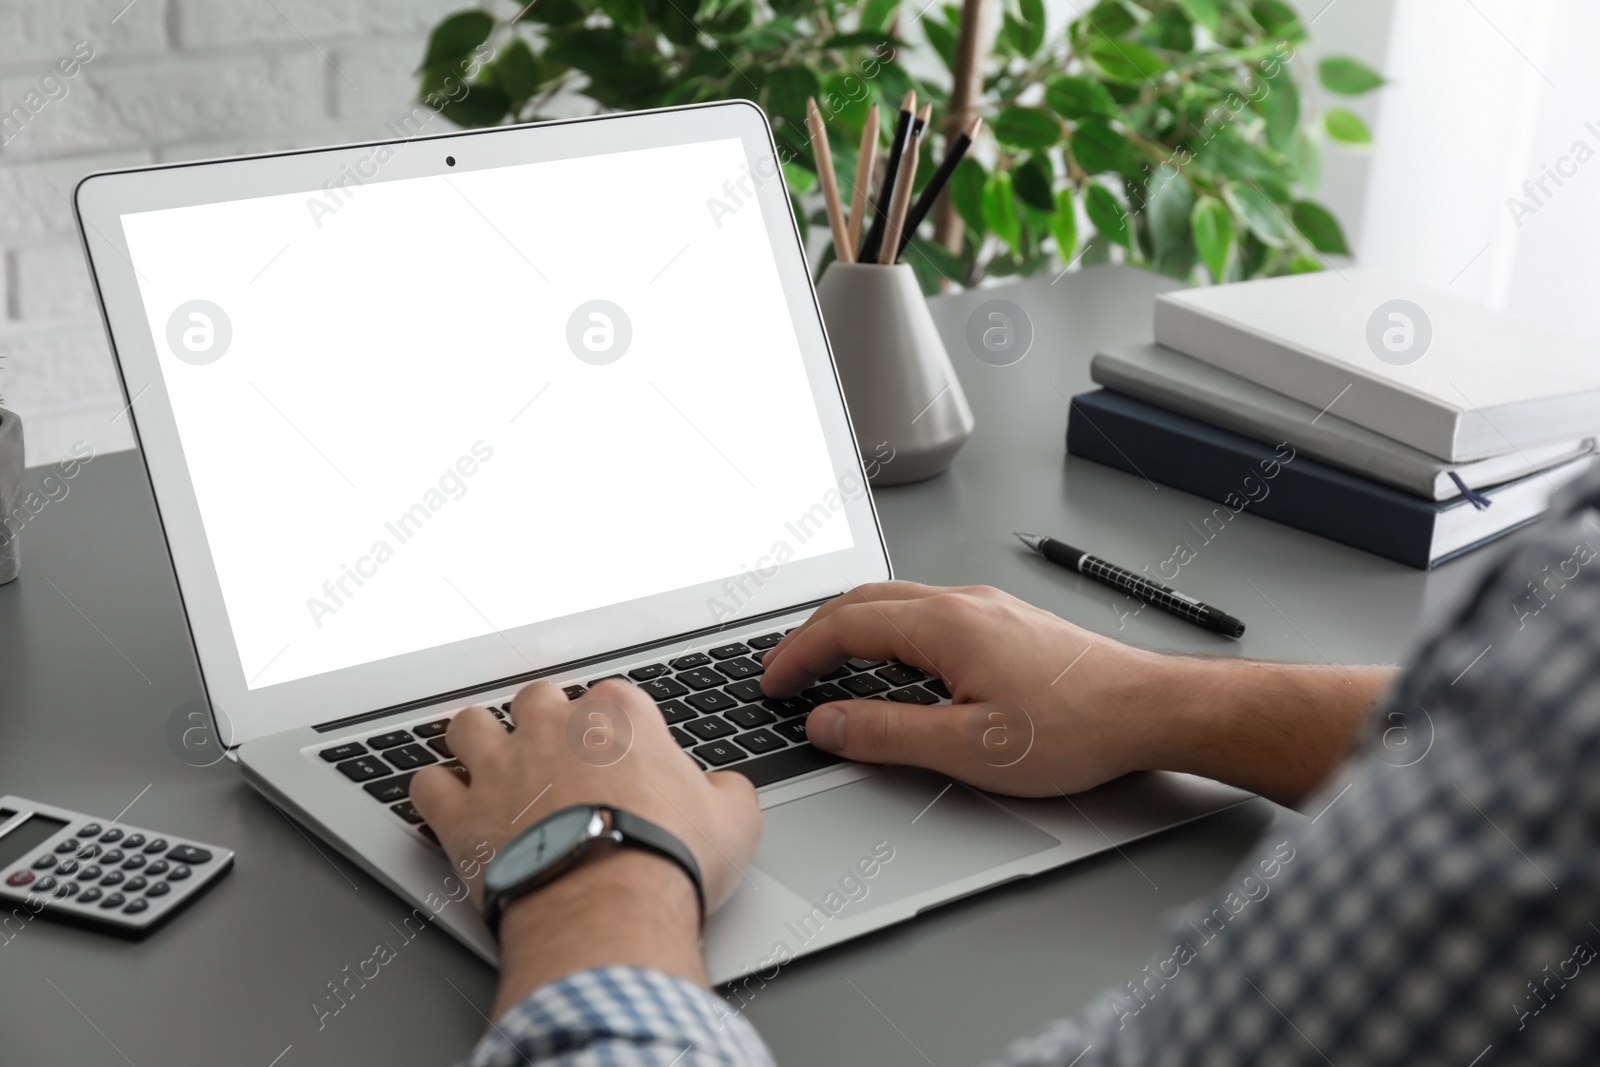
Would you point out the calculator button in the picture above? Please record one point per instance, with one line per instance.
(158, 845)
(133, 863)
(67, 889)
(113, 878)
(111, 835)
(45, 884)
(90, 873)
(66, 866)
(134, 841)
(136, 906)
(89, 851)
(407, 811)
(90, 895)
(89, 830)
(158, 867)
(113, 857)
(135, 884)
(160, 889)
(179, 873)
(67, 846)
(188, 854)
(436, 728)
(44, 861)
(115, 900)
(20, 878)
(343, 752)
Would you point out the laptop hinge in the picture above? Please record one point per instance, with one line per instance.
(559, 668)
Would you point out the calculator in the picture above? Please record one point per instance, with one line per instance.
(67, 865)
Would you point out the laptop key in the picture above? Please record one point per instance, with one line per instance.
(710, 728)
(937, 686)
(360, 769)
(390, 740)
(441, 746)
(748, 690)
(689, 662)
(664, 688)
(720, 753)
(789, 707)
(913, 694)
(864, 685)
(407, 811)
(864, 664)
(835, 674)
(741, 667)
(390, 789)
(683, 739)
(765, 641)
(436, 728)
(410, 757)
(790, 762)
(793, 730)
(700, 678)
(574, 691)
(749, 715)
(644, 674)
(676, 711)
(710, 700)
(759, 742)
(729, 651)
(822, 694)
(609, 678)
(343, 752)
(900, 674)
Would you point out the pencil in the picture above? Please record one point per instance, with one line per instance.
(880, 213)
(936, 184)
(868, 160)
(830, 183)
(901, 199)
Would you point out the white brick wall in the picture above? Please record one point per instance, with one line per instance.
(170, 80)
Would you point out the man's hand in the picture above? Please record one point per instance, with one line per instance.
(610, 747)
(1045, 707)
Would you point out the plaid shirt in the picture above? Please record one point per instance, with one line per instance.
(1441, 908)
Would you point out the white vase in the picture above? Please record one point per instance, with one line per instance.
(10, 491)
(906, 403)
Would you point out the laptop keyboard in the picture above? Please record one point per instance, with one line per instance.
(712, 702)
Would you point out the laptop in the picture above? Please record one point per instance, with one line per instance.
(426, 420)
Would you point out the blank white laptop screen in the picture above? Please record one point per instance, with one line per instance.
(425, 410)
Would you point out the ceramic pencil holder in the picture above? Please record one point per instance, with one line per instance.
(10, 492)
(910, 414)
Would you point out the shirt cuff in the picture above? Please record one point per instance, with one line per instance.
(620, 1015)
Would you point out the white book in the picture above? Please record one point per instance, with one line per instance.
(1443, 374)
(1169, 379)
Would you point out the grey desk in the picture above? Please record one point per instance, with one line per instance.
(93, 660)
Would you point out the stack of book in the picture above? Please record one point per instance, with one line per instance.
(1370, 410)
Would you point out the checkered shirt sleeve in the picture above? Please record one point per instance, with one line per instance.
(620, 1017)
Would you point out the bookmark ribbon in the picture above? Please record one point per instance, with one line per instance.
(1477, 499)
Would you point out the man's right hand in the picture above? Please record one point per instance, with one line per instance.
(1043, 707)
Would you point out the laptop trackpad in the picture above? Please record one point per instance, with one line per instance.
(938, 832)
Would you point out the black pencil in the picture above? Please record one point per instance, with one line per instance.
(880, 211)
(936, 184)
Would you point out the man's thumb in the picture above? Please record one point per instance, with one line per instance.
(881, 731)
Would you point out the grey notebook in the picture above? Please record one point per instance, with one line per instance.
(1180, 383)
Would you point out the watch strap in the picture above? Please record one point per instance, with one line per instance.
(643, 833)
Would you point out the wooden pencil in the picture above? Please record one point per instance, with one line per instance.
(941, 177)
(868, 160)
(880, 214)
(901, 200)
(842, 247)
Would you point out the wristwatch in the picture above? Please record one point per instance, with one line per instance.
(560, 841)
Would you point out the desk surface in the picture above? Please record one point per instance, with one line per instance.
(94, 660)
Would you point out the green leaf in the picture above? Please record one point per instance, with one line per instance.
(1304, 265)
(555, 12)
(484, 105)
(1110, 220)
(1064, 225)
(1281, 108)
(1203, 13)
(943, 40)
(1347, 76)
(1074, 97)
(1110, 18)
(1099, 149)
(676, 20)
(799, 179)
(1278, 19)
(1124, 61)
(1213, 234)
(1306, 157)
(516, 70)
(1000, 210)
(1346, 126)
(877, 13)
(1033, 26)
(966, 193)
(945, 262)
(787, 90)
(1319, 227)
(1169, 29)
(1169, 205)
(626, 14)
(1026, 127)
(456, 37)
(1031, 181)
(1259, 213)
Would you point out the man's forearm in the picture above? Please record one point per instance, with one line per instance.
(1277, 729)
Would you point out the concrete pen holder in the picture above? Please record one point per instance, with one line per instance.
(898, 380)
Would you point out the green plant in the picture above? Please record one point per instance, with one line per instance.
(1180, 130)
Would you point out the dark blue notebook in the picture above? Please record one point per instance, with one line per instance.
(1276, 483)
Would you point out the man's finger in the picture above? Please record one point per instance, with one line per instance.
(882, 731)
(873, 592)
(475, 736)
(437, 793)
(531, 699)
(895, 629)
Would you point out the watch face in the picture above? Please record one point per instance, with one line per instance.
(552, 839)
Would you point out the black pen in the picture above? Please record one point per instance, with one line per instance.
(1169, 600)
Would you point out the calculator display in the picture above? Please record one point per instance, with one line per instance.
(25, 838)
